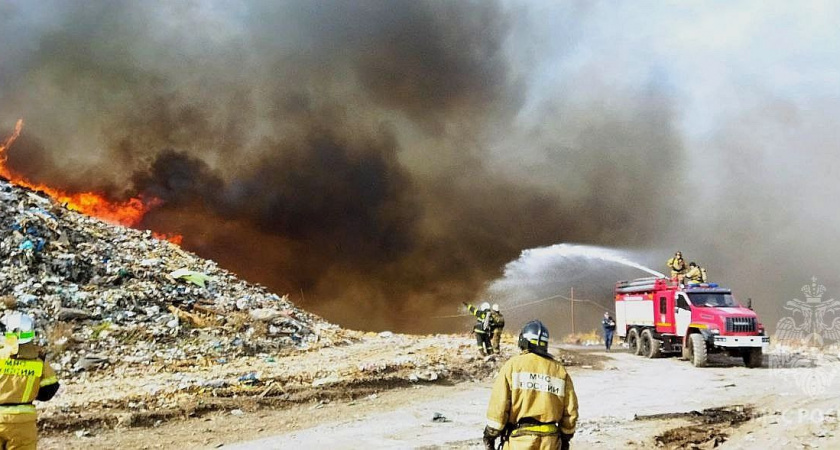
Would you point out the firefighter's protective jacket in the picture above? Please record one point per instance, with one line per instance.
(24, 378)
(497, 320)
(482, 317)
(676, 265)
(536, 389)
(694, 274)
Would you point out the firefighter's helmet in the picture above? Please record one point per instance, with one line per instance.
(484, 306)
(534, 338)
(20, 326)
(495, 307)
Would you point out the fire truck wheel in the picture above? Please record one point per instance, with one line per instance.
(633, 341)
(753, 357)
(651, 347)
(698, 350)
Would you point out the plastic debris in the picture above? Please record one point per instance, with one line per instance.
(125, 297)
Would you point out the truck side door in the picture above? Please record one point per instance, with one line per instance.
(682, 314)
(664, 311)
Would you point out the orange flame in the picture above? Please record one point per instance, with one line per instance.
(176, 239)
(128, 213)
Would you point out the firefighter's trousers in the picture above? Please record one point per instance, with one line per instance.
(18, 432)
(496, 339)
(482, 339)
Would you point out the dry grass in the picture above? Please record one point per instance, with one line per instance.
(260, 329)
(237, 321)
(591, 337)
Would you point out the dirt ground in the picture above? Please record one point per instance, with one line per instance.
(257, 396)
(631, 403)
(625, 402)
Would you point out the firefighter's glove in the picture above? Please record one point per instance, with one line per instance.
(565, 439)
(490, 435)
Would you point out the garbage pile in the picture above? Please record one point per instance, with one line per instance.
(103, 294)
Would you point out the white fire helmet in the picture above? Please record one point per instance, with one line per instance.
(19, 325)
(484, 306)
(496, 307)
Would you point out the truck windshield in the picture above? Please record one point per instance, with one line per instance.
(712, 300)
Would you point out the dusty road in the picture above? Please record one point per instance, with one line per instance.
(762, 408)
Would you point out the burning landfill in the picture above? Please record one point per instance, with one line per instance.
(136, 326)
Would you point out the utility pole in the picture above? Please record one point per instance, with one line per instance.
(572, 301)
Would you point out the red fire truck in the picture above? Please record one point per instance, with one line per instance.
(658, 315)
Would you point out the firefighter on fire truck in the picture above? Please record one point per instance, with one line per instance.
(677, 266)
(24, 377)
(695, 274)
(533, 404)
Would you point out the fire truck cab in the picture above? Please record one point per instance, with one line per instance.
(659, 315)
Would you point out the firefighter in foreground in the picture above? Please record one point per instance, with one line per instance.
(497, 324)
(482, 328)
(533, 403)
(677, 266)
(24, 378)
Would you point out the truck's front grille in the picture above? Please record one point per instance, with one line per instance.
(740, 324)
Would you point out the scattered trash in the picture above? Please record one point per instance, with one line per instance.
(125, 297)
(250, 378)
(89, 362)
(196, 278)
(237, 412)
(428, 376)
(438, 417)
(331, 379)
(214, 384)
(82, 433)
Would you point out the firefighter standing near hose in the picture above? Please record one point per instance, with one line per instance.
(497, 324)
(533, 404)
(24, 378)
(482, 328)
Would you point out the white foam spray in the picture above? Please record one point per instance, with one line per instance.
(537, 284)
(534, 261)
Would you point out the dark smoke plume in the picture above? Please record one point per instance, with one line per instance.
(380, 161)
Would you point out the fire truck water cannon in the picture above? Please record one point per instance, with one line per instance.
(658, 316)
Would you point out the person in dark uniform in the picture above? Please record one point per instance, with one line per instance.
(609, 330)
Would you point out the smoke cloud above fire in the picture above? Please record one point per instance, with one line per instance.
(381, 161)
